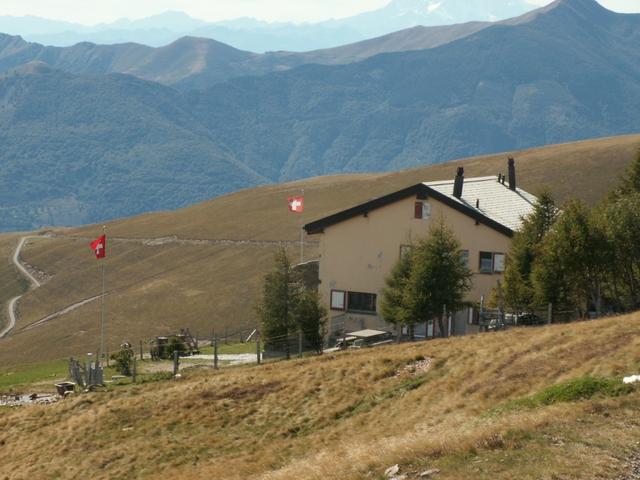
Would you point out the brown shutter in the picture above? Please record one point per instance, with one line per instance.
(418, 210)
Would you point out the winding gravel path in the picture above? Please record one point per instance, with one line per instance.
(33, 284)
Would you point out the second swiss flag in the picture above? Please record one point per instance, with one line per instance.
(296, 204)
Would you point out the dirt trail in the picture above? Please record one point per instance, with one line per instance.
(12, 306)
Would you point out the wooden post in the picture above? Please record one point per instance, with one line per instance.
(215, 353)
(176, 362)
(141, 352)
(300, 344)
(550, 313)
(213, 334)
(258, 348)
(134, 370)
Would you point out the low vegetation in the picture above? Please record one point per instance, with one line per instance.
(353, 414)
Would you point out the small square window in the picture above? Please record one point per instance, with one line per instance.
(422, 210)
(338, 299)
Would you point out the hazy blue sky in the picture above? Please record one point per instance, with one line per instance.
(96, 11)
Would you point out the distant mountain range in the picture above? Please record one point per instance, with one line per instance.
(199, 63)
(258, 36)
(91, 145)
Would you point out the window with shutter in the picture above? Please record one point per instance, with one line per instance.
(418, 210)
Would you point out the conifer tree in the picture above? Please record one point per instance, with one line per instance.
(392, 307)
(311, 319)
(281, 294)
(518, 285)
(571, 267)
(438, 277)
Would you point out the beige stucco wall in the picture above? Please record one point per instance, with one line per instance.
(359, 253)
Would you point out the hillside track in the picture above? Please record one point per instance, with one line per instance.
(174, 240)
(12, 306)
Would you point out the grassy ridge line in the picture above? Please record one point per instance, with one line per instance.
(163, 287)
(286, 420)
(585, 170)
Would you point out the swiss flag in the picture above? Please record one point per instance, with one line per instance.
(99, 246)
(296, 204)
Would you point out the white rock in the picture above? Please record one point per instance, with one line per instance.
(429, 473)
(631, 379)
(391, 471)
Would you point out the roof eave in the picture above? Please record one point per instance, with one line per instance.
(319, 226)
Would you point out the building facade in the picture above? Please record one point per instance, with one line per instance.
(359, 246)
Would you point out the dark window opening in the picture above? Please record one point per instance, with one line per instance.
(361, 302)
(486, 262)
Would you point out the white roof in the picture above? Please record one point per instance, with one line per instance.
(366, 333)
(496, 201)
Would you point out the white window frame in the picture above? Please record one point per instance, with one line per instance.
(335, 300)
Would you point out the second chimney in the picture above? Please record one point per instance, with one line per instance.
(512, 174)
(458, 183)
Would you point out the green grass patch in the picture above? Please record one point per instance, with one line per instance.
(19, 378)
(583, 388)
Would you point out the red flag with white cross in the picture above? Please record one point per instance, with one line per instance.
(99, 247)
(296, 204)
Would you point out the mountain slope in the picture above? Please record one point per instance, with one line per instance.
(569, 72)
(76, 148)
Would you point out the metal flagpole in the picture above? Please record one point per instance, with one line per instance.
(104, 260)
(302, 232)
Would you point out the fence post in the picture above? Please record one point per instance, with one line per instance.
(141, 352)
(300, 344)
(88, 371)
(215, 352)
(258, 348)
(550, 313)
(134, 370)
(445, 319)
(213, 335)
(176, 362)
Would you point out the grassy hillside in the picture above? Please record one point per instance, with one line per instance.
(491, 407)
(157, 287)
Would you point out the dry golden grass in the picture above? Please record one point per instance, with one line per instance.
(348, 416)
(159, 289)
